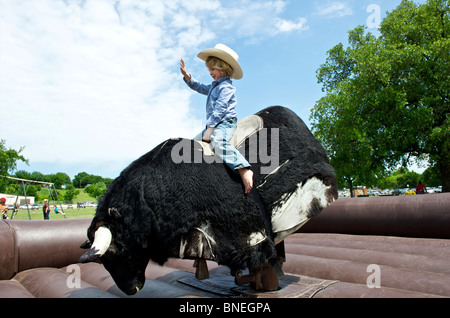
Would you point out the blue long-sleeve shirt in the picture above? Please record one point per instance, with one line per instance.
(221, 101)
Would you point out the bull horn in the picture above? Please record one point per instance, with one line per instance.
(102, 240)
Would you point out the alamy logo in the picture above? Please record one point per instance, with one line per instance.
(374, 20)
(261, 150)
(74, 279)
(74, 16)
(374, 279)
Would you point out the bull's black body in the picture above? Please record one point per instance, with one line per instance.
(155, 202)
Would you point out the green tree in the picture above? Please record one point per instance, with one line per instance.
(37, 176)
(430, 177)
(82, 179)
(79, 180)
(31, 191)
(387, 100)
(347, 145)
(70, 193)
(8, 162)
(95, 190)
(59, 179)
(401, 178)
(12, 188)
(22, 174)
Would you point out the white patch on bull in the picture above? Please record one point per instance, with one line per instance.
(192, 244)
(292, 209)
(206, 231)
(183, 245)
(256, 238)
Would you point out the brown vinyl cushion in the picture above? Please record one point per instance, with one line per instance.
(407, 237)
(52, 283)
(44, 243)
(13, 289)
(420, 216)
(417, 265)
(8, 260)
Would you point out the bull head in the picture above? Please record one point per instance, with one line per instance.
(102, 240)
(127, 267)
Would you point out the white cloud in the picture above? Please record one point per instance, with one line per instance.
(84, 91)
(290, 26)
(334, 9)
(256, 19)
(85, 82)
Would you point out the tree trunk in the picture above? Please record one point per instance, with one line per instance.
(444, 167)
(350, 185)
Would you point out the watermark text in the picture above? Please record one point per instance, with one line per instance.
(374, 279)
(374, 20)
(263, 149)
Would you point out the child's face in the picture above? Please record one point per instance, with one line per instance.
(215, 73)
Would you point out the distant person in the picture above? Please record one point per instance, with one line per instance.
(3, 208)
(57, 211)
(15, 210)
(420, 189)
(46, 210)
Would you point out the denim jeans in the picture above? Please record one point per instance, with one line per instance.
(220, 142)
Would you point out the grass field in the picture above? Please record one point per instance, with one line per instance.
(81, 197)
(70, 214)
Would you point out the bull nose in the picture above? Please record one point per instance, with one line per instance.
(133, 289)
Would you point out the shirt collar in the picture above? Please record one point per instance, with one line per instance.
(222, 79)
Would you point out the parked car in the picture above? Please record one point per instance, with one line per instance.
(398, 191)
(434, 189)
(374, 192)
(344, 194)
(410, 192)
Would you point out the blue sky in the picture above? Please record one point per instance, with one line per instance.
(91, 85)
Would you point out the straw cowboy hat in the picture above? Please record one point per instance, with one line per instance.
(223, 52)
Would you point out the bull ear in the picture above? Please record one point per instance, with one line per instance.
(102, 240)
(114, 213)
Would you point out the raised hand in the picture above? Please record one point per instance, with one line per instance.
(186, 75)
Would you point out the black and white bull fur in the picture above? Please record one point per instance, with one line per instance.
(157, 209)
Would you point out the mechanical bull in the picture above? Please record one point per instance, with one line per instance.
(160, 207)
